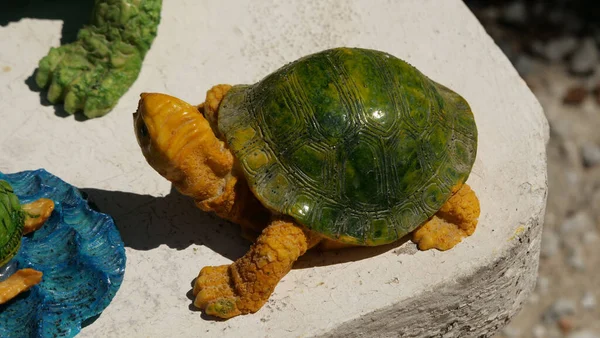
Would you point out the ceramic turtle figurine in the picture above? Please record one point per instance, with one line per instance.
(17, 220)
(345, 147)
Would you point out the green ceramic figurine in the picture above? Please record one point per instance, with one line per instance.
(17, 220)
(92, 73)
(346, 147)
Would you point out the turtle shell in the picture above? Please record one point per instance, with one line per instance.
(355, 144)
(12, 219)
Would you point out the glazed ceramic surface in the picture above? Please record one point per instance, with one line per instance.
(353, 143)
(80, 253)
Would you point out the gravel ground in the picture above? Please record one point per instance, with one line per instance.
(555, 46)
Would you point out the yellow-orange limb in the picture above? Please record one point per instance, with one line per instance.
(244, 286)
(19, 282)
(36, 214)
(236, 202)
(210, 107)
(456, 220)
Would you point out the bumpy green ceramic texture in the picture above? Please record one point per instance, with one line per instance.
(11, 223)
(92, 73)
(355, 144)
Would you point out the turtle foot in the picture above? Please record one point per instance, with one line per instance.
(244, 287)
(75, 76)
(214, 292)
(92, 73)
(456, 220)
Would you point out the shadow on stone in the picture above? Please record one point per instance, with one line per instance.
(146, 222)
(323, 258)
(90, 320)
(74, 14)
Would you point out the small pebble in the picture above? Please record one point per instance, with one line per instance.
(534, 298)
(576, 259)
(550, 244)
(573, 177)
(539, 331)
(591, 237)
(543, 283)
(561, 307)
(580, 222)
(515, 13)
(571, 151)
(575, 95)
(584, 334)
(588, 301)
(511, 332)
(590, 153)
(565, 324)
(585, 58)
(524, 64)
(558, 49)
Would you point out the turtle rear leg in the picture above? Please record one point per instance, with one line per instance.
(92, 73)
(243, 287)
(456, 220)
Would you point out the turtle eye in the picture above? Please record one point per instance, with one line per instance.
(143, 130)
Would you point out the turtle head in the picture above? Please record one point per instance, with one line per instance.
(178, 142)
(164, 125)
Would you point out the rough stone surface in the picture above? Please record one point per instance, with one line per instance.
(572, 219)
(572, 213)
(471, 290)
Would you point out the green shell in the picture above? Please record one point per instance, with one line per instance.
(352, 143)
(12, 219)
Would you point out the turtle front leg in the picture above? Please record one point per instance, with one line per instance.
(36, 214)
(92, 73)
(210, 107)
(243, 287)
(180, 144)
(456, 220)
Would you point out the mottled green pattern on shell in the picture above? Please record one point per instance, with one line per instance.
(12, 219)
(352, 143)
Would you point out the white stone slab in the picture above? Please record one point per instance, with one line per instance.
(390, 291)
